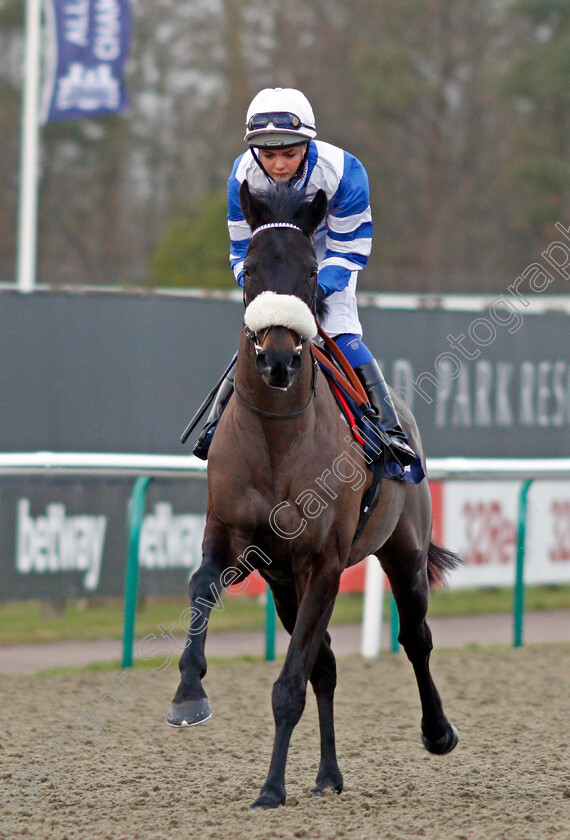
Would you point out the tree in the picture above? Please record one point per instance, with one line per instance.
(194, 248)
(11, 42)
(537, 89)
(437, 140)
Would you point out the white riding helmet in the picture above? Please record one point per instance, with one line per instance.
(279, 117)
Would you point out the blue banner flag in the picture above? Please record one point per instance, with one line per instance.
(88, 45)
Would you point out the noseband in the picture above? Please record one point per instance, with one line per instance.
(253, 336)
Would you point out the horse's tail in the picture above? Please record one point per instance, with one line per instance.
(440, 561)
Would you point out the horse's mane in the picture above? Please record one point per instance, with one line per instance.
(281, 202)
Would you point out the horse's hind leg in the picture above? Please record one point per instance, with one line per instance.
(407, 572)
(323, 680)
(190, 704)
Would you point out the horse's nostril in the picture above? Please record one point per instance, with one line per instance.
(295, 362)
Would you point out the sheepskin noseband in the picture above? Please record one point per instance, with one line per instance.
(272, 310)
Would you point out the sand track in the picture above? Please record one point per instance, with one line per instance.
(119, 772)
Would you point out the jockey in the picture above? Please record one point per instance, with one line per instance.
(280, 133)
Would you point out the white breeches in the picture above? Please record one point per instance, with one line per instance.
(342, 315)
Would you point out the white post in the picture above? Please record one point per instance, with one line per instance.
(373, 605)
(29, 147)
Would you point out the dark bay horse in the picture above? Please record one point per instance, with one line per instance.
(285, 487)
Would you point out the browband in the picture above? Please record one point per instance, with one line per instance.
(277, 225)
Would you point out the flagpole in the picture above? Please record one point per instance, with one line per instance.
(29, 151)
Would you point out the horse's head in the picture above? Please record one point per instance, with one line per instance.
(280, 277)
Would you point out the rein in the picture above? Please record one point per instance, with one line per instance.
(350, 381)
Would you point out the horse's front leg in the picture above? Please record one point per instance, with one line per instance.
(323, 680)
(407, 572)
(290, 689)
(190, 704)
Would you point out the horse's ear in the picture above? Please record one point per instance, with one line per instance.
(254, 210)
(313, 212)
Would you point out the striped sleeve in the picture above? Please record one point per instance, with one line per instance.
(349, 228)
(238, 228)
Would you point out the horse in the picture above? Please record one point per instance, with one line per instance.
(284, 499)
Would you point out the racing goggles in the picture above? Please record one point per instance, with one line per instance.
(279, 119)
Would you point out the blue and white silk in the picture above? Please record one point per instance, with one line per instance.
(342, 242)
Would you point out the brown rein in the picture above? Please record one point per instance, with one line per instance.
(350, 381)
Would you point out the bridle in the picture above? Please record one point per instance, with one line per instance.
(269, 225)
(272, 415)
(259, 341)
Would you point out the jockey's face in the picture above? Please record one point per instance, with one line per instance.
(282, 164)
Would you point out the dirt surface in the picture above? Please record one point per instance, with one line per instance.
(118, 772)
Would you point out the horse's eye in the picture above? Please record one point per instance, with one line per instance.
(313, 274)
(246, 274)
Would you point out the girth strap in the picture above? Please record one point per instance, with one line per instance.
(370, 499)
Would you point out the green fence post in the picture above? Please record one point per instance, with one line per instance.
(394, 624)
(269, 626)
(136, 514)
(518, 599)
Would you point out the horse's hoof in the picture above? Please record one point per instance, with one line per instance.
(443, 745)
(268, 799)
(334, 784)
(323, 790)
(189, 712)
(265, 804)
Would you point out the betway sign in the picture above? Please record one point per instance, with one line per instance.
(67, 538)
(171, 541)
(55, 542)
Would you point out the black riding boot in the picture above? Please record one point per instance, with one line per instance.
(371, 377)
(221, 399)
